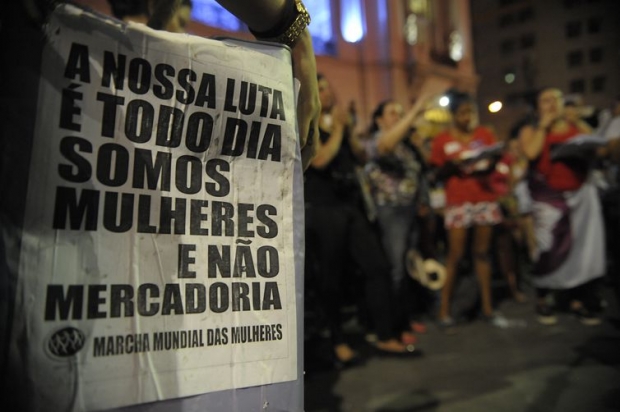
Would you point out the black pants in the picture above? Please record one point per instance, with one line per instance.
(611, 213)
(586, 293)
(336, 235)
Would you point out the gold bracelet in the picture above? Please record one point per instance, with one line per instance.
(291, 34)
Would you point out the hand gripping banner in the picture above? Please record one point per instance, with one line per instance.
(157, 255)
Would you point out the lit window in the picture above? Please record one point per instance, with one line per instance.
(411, 29)
(419, 7)
(352, 20)
(456, 46)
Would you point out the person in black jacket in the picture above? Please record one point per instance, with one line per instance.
(337, 230)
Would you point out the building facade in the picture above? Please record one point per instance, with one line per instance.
(371, 50)
(525, 45)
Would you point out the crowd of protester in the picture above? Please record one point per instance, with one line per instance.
(529, 210)
(405, 213)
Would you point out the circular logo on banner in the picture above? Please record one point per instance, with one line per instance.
(66, 342)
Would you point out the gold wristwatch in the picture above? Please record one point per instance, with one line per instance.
(301, 19)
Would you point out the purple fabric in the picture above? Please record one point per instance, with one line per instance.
(552, 259)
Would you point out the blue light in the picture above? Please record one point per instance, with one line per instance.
(212, 14)
(352, 23)
(321, 26)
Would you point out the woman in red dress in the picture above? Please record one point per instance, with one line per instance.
(470, 200)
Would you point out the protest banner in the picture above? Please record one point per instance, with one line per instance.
(158, 247)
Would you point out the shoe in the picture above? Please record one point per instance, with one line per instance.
(447, 326)
(394, 348)
(357, 360)
(345, 357)
(545, 315)
(418, 327)
(587, 317)
(408, 338)
(500, 321)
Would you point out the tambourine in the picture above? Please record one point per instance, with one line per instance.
(429, 272)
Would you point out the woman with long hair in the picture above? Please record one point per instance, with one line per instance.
(338, 232)
(396, 173)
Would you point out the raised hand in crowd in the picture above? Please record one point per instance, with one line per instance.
(550, 104)
(390, 138)
(340, 117)
(335, 122)
(548, 120)
(432, 87)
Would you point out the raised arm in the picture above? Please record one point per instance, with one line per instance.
(326, 152)
(269, 16)
(549, 105)
(532, 140)
(390, 138)
(357, 146)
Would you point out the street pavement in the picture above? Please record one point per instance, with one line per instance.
(527, 367)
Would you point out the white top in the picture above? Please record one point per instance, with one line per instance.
(613, 130)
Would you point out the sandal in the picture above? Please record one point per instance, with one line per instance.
(418, 327)
(345, 357)
(393, 347)
(408, 338)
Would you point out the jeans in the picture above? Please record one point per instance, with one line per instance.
(398, 234)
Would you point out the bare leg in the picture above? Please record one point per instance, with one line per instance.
(456, 249)
(482, 239)
(508, 264)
